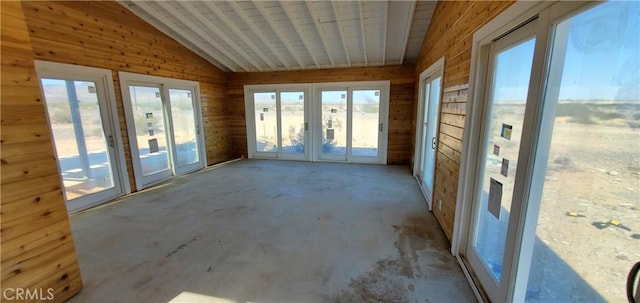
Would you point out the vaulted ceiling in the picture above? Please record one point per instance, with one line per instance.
(246, 36)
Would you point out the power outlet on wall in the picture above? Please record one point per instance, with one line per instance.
(439, 204)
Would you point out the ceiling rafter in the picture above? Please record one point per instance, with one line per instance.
(238, 32)
(238, 10)
(250, 35)
(220, 33)
(405, 40)
(192, 26)
(364, 41)
(302, 37)
(275, 29)
(344, 42)
(386, 28)
(320, 33)
(145, 7)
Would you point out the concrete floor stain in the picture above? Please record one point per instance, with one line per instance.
(386, 281)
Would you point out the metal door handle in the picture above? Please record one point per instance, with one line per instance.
(433, 143)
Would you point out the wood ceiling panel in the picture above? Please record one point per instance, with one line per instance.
(245, 36)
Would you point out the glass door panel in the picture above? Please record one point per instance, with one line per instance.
(426, 141)
(150, 130)
(185, 129)
(511, 67)
(293, 126)
(85, 154)
(365, 123)
(432, 109)
(266, 121)
(587, 235)
(334, 124)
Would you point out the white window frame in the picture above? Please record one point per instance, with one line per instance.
(104, 78)
(516, 14)
(127, 79)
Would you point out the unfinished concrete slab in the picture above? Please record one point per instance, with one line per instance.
(270, 231)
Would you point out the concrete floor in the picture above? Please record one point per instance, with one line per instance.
(270, 231)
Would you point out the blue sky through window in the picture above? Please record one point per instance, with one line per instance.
(602, 60)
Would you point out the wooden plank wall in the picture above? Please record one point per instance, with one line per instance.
(400, 103)
(37, 249)
(450, 34)
(107, 35)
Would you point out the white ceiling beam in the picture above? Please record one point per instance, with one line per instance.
(302, 37)
(386, 31)
(319, 30)
(192, 26)
(214, 30)
(238, 33)
(405, 40)
(287, 45)
(344, 43)
(229, 63)
(364, 41)
(238, 10)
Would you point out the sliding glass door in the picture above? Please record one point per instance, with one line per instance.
(165, 132)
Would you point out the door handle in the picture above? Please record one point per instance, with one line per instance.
(433, 143)
(110, 141)
(306, 126)
(381, 127)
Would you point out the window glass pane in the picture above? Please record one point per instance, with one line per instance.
(588, 227)
(266, 116)
(78, 134)
(366, 119)
(334, 122)
(184, 126)
(430, 128)
(150, 129)
(292, 112)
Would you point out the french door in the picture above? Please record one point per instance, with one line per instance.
(80, 105)
(542, 178)
(165, 132)
(497, 196)
(351, 121)
(280, 123)
(338, 122)
(427, 128)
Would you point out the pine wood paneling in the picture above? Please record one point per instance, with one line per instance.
(400, 103)
(105, 34)
(37, 249)
(450, 34)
